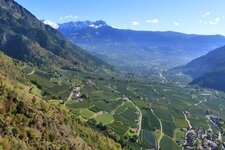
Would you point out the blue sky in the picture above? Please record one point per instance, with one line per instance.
(188, 16)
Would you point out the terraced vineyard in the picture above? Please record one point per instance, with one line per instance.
(109, 105)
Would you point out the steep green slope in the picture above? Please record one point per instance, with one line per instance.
(29, 122)
(212, 61)
(24, 37)
(11, 68)
(208, 70)
(213, 80)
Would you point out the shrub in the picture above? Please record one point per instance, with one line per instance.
(5, 144)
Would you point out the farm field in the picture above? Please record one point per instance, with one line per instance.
(168, 144)
(105, 119)
(59, 88)
(110, 105)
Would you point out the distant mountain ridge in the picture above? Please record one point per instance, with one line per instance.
(208, 70)
(75, 26)
(24, 37)
(212, 61)
(136, 49)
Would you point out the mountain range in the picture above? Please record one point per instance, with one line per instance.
(130, 49)
(24, 37)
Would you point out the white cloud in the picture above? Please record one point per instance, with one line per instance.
(51, 23)
(176, 23)
(215, 21)
(153, 21)
(206, 14)
(135, 23)
(68, 17)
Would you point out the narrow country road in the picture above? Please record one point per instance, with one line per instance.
(161, 129)
(114, 111)
(190, 126)
(139, 118)
(189, 123)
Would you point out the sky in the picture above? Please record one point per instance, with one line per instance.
(187, 16)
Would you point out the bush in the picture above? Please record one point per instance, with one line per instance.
(5, 144)
(44, 106)
(33, 134)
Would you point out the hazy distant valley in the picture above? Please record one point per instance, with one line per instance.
(139, 50)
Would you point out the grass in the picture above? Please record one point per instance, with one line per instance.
(86, 113)
(157, 134)
(106, 106)
(168, 128)
(99, 92)
(168, 144)
(179, 134)
(119, 128)
(140, 103)
(127, 117)
(197, 122)
(150, 138)
(52, 87)
(149, 120)
(105, 119)
(73, 105)
(164, 112)
(181, 123)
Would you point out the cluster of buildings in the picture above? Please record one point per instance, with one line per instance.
(197, 138)
(200, 139)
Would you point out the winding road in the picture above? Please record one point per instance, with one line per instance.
(139, 118)
(161, 129)
(189, 123)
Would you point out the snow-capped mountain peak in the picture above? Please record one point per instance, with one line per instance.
(95, 26)
(82, 24)
(51, 23)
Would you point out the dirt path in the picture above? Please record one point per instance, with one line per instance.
(114, 111)
(189, 123)
(97, 114)
(32, 72)
(190, 126)
(139, 118)
(161, 129)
